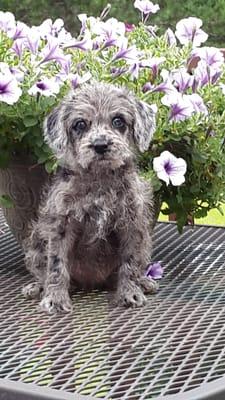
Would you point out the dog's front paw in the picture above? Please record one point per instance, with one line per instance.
(130, 296)
(33, 290)
(149, 285)
(56, 302)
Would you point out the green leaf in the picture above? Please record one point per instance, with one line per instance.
(29, 120)
(6, 201)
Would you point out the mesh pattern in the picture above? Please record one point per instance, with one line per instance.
(173, 344)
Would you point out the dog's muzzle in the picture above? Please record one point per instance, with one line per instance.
(101, 145)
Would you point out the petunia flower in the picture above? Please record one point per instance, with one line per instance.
(33, 41)
(170, 37)
(130, 54)
(51, 52)
(77, 80)
(170, 168)
(211, 55)
(180, 107)
(197, 103)
(204, 74)
(183, 80)
(85, 44)
(110, 27)
(9, 89)
(129, 27)
(146, 7)
(20, 31)
(55, 30)
(153, 63)
(115, 72)
(188, 31)
(167, 85)
(154, 271)
(18, 47)
(46, 87)
(7, 22)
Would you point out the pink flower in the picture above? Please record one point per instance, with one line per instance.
(129, 27)
(170, 168)
(188, 31)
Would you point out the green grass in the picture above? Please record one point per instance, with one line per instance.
(213, 218)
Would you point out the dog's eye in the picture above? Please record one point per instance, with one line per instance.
(79, 125)
(119, 123)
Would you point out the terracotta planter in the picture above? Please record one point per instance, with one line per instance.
(23, 182)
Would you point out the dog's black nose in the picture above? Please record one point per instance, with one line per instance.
(101, 145)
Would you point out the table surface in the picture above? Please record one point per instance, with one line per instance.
(173, 344)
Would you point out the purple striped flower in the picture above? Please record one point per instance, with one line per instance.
(129, 54)
(7, 22)
(85, 44)
(188, 31)
(146, 7)
(197, 103)
(46, 87)
(18, 47)
(170, 168)
(180, 107)
(9, 89)
(170, 37)
(52, 52)
(154, 271)
(183, 80)
(211, 55)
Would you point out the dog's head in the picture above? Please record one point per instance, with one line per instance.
(99, 125)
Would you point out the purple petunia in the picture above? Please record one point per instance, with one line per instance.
(183, 80)
(10, 92)
(51, 52)
(170, 168)
(146, 6)
(154, 271)
(180, 107)
(46, 87)
(188, 31)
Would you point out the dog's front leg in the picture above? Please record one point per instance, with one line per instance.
(56, 291)
(132, 285)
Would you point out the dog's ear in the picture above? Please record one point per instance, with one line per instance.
(54, 133)
(144, 125)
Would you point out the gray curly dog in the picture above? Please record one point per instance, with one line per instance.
(95, 222)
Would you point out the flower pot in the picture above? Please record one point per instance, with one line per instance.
(23, 182)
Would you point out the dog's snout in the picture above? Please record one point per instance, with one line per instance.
(101, 145)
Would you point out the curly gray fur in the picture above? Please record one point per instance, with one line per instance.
(94, 225)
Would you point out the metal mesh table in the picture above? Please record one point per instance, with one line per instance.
(175, 344)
